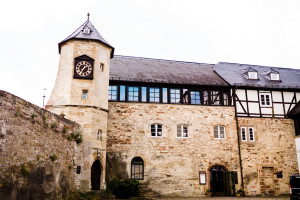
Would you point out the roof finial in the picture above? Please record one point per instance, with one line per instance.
(88, 16)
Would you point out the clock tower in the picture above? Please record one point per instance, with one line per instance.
(80, 94)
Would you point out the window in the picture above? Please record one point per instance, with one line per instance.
(154, 95)
(84, 94)
(243, 134)
(251, 134)
(195, 97)
(122, 93)
(265, 99)
(133, 93)
(137, 168)
(225, 99)
(274, 77)
(215, 98)
(113, 93)
(99, 135)
(182, 131)
(86, 30)
(205, 98)
(144, 94)
(174, 95)
(185, 96)
(219, 132)
(252, 75)
(156, 130)
(165, 95)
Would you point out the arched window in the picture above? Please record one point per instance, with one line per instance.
(137, 168)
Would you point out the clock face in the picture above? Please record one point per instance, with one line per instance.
(83, 68)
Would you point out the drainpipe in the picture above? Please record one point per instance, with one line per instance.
(238, 137)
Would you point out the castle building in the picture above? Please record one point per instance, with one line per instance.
(179, 128)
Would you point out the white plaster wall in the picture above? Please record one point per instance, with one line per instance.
(252, 95)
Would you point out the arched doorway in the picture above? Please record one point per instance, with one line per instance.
(217, 180)
(222, 181)
(96, 175)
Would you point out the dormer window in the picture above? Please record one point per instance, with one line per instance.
(272, 75)
(252, 75)
(86, 30)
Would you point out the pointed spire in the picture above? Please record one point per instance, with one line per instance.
(93, 35)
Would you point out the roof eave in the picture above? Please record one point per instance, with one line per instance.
(61, 43)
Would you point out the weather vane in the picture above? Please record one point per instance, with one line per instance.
(88, 15)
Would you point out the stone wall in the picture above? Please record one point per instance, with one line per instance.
(36, 158)
(171, 164)
(272, 151)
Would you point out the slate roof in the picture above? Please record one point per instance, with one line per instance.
(232, 73)
(139, 69)
(94, 35)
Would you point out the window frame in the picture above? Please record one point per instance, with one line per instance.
(110, 94)
(245, 132)
(182, 127)
(137, 161)
(157, 95)
(252, 75)
(135, 94)
(219, 132)
(84, 94)
(156, 130)
(177, 94)
(263, 99)
(253, 140)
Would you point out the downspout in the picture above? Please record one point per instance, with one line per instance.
(238, 137)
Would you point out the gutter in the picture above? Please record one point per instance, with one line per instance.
(238, 137)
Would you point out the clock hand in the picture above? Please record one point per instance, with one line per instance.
(82, 69)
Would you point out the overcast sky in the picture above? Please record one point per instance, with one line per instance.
(261, 32)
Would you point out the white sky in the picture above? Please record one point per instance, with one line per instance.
(262, 32)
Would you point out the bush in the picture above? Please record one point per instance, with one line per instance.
(24, 170)
(77, 136)
(53, 157)
(54, 125)
(124, 189)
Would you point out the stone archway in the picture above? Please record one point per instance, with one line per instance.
(96, 175)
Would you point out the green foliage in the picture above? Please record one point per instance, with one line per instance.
(45, 117)
(24, 170)
(77, 136)
(33, 115)
(17, 114)
(53, 157)
(69, 137)
(65, 129)
(54, 125)
(76, 195)
(38, 157)
(124, 189)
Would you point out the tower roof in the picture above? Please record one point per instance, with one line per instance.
(93, 34)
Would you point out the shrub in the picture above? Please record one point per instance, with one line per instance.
(54, 125)
(24, 170)
(77, 136)
(53, 157)
(124, 189)
(33, 115)
(45, 117)
(38, 157)
(65, 129)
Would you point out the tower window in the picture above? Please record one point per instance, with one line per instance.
(86, 30)
(99, 135)
(84, 94)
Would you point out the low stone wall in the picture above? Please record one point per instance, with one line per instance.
(36, 158)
